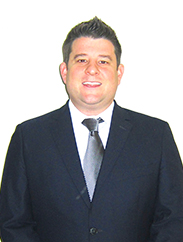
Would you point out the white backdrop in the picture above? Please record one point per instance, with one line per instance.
(32, 33)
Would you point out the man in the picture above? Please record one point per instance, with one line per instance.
(136, 191)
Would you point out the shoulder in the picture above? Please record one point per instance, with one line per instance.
(45, 120)
(137, 116)
(140, 121)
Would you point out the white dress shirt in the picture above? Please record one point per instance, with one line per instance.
(81, 132)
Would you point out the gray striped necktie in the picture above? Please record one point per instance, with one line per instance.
(94, 154)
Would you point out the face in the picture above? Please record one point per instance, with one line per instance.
(92, 76)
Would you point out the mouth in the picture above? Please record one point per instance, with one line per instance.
(91, 84)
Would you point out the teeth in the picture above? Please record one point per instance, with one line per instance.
(92, 83)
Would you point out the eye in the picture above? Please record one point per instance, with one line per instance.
(82, 60)
(103, 62)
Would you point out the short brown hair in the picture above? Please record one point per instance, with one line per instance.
(95, 28)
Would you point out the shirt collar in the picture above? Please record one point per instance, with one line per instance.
(77, 116)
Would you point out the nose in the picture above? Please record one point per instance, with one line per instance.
(92, 69)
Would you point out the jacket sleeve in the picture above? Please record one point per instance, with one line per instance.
(16, 219)
(168, 216)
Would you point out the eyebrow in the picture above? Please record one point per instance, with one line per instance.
(106, 56)
(79, 55)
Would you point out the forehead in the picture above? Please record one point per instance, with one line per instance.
(89, 45)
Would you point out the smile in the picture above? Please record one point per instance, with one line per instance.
(92, 84)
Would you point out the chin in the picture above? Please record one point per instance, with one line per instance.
(91, 101)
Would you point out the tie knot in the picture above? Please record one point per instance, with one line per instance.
(92, 124)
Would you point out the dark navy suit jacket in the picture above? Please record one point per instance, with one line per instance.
(138, 196)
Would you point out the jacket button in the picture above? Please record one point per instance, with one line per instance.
(93, 231)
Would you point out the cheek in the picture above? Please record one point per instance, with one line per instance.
(74, 75)
(112, 79)
(109, 74)
(72, 84)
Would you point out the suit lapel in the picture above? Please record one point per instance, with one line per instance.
(119, 131)
(63, 135)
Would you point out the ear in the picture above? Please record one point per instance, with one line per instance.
(63, 71)
(120, 73)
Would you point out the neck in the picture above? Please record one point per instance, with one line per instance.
(92, 110)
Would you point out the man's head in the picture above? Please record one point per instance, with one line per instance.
(91, 69)
(95, 29)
